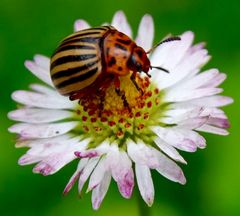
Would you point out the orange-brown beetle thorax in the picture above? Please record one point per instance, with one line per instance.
(117, 49)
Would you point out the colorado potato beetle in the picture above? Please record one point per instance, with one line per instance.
(89, 61)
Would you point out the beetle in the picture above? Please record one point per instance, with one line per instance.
(87, 62)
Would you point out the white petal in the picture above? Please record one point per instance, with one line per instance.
(176, 139)
(38, 116)
(100, 191)
(121, 169)
(169, 150)
(121, 24)
(76, 175)
(169, 55)
(80, 25)
(178, 115)
(31, 131)
(196, 47)
(42, 61)
(145, 32)
(145, 183)
(199, 80)
(176, 95)
(216, 81)
(212, 129)
(170, 169)
(193, 123)
(39, 142)
(189, 64)
(211, 101)
(53, 163)
(27, 159)
(219, 122)
(174, 51)
(142, 154)
(56, 145)
(41, 72)
(42, 101)
(214, 112)
(87, 172)
(194, 136)
(97, 174)
(45, 90)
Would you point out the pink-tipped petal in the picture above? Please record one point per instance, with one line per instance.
(169, 150)
(145, 183)
(54, 163)
(145, 32)
(86, 172)
(80, 25)
(176, 139)
(41, 72)
(27, 159)
(126, 184)
(121, 169)
(100, 191)
(31, 131)
(193, 123)
(42, 61)
(75, 176)
(214, 130)
(219, 122)
(142, 154)
(43, 168)
(98, 174)
(216, 81)
(170, 169)
(121, 24)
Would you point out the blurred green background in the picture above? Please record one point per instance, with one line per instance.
(28, 27)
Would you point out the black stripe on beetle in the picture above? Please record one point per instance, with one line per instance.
(84, 39)
(73, 47)
(72, 58)
(119, 46)
(82, 34)
(125, 42)
(77, 79)
(72, 71)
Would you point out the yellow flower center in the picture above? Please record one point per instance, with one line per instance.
(109, 117)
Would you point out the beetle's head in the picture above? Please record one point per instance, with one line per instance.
(139, 60)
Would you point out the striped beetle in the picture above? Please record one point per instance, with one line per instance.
(87, 62)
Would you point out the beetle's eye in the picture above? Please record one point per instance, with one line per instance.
(138, 66)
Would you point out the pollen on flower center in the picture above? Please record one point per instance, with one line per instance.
(110, 118)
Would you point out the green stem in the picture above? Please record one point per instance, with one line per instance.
(144, 210)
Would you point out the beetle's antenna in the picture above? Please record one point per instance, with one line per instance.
(174, 38)
(160, 68)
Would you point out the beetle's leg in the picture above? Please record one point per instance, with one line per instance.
(77, 95)
(121, 93)
(133, 79)
(101, 95)
(101, 92)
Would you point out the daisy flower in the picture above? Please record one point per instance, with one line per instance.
(123, 145)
